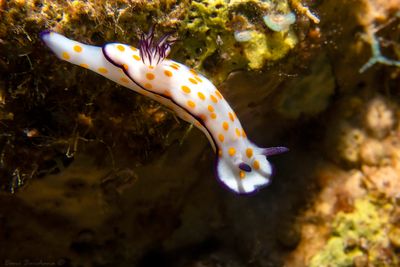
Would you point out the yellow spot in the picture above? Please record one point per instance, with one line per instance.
(220, 153)
(84, 65)
(136, 57)
(203, 117)
(125, 66)
(121, 48)
(231, 151)
(256, 165)
(201, 95)
(168, 73)
(242, 175)
(238, 133)
(192, 80)
(221, 138)
(148, 86)
(65, 55)
(185, 89)
(210, 108)
(193, 72)
(231, 116)
(218, 94)
(150, 76)
(124, 80)
(225, 125)
(213, 116)
(191, 104)
(77, 48)
(249, 152)
(133, 48)
(198, 79)
(175, 64)
(102, 70)
(151, 67)
(174, 67)
(243, 133)
(213, 98)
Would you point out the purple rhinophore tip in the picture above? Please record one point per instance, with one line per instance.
(270, 151)
(43, 33)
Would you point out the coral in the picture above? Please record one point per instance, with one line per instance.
(350, 141)
(358, 234)
(372, 152)
(360, 127)
(379, 117)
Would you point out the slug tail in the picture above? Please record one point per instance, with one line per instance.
(87, 56)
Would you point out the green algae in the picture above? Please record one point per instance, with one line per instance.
(210, 46)
(362, 232)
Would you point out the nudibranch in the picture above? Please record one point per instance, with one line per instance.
(240, 165)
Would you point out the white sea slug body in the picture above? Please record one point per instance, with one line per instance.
(241, 166)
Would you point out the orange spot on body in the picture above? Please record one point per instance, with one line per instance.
(168, 73)
(192, 80)
(231, 116)
(167, 93)
(203, 117)
(136, 57)
(174, 67)
(198, 79)
(65, 55)
(77, 48)
(150, 76)
(238, 133)
(201, 95)
(225, 125)
(249, 152)
(243, 133)
(133, 48)
(124, 80)
(256, 165)
(121, 48)
(192, 71)
(125, 66)
(242, 175)
(213, 116)
(218, 94)
(221, 138)
(210, 108)
(102, 70)
(220, 153)
(148, 86)
(191, 104)
(84, 65)
(231, 151)
(185, 89)
(213, 98)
